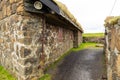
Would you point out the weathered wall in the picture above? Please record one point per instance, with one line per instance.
(80, 38)
(112, 49)
(20, 45)
(58, 40)
(27, 43)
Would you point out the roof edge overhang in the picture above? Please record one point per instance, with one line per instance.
(68, 19)
(54, 7)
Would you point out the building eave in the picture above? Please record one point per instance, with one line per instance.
(52, 5)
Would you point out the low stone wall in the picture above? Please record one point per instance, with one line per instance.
(94, 39)
(112, 47)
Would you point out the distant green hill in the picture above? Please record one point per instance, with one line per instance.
(93, 35)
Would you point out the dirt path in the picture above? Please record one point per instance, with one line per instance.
(87, 64)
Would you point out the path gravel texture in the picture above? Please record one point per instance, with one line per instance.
(86, 64)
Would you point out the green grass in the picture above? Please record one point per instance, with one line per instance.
(5, 75)
(46, 77)
(54, 65)
(86, 45)
(93, 35)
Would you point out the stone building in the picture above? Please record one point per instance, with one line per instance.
(112, 47)
(33, 34)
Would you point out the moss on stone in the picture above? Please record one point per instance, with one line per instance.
(68, 13)
(112, 20)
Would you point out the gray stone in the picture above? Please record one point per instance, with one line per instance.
(31, 61)
(28, 70)
(113, 47)
(119, 22)
(24, 52)
(14, 7)
(116, 26)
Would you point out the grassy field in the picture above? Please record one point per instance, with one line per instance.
(4, 75)
(54, 65)
(93, 35)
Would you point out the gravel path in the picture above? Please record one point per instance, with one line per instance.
(86, 64)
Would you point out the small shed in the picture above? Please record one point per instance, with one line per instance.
(35, 33)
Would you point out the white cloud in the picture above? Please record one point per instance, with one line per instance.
(91, 13)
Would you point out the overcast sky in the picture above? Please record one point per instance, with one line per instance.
(91, 13)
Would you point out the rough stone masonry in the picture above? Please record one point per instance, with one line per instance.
(112, 27)
(27, 43)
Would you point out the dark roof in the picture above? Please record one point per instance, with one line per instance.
(59, 13)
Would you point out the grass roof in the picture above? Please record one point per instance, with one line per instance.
(112, 20)
(67, 13)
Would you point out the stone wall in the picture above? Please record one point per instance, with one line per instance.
(28, 43)
(80, 38)
(112, 48)
(94, 39)
(20, 45)
(58, 40)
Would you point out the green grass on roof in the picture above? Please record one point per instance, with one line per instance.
(114, 20)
